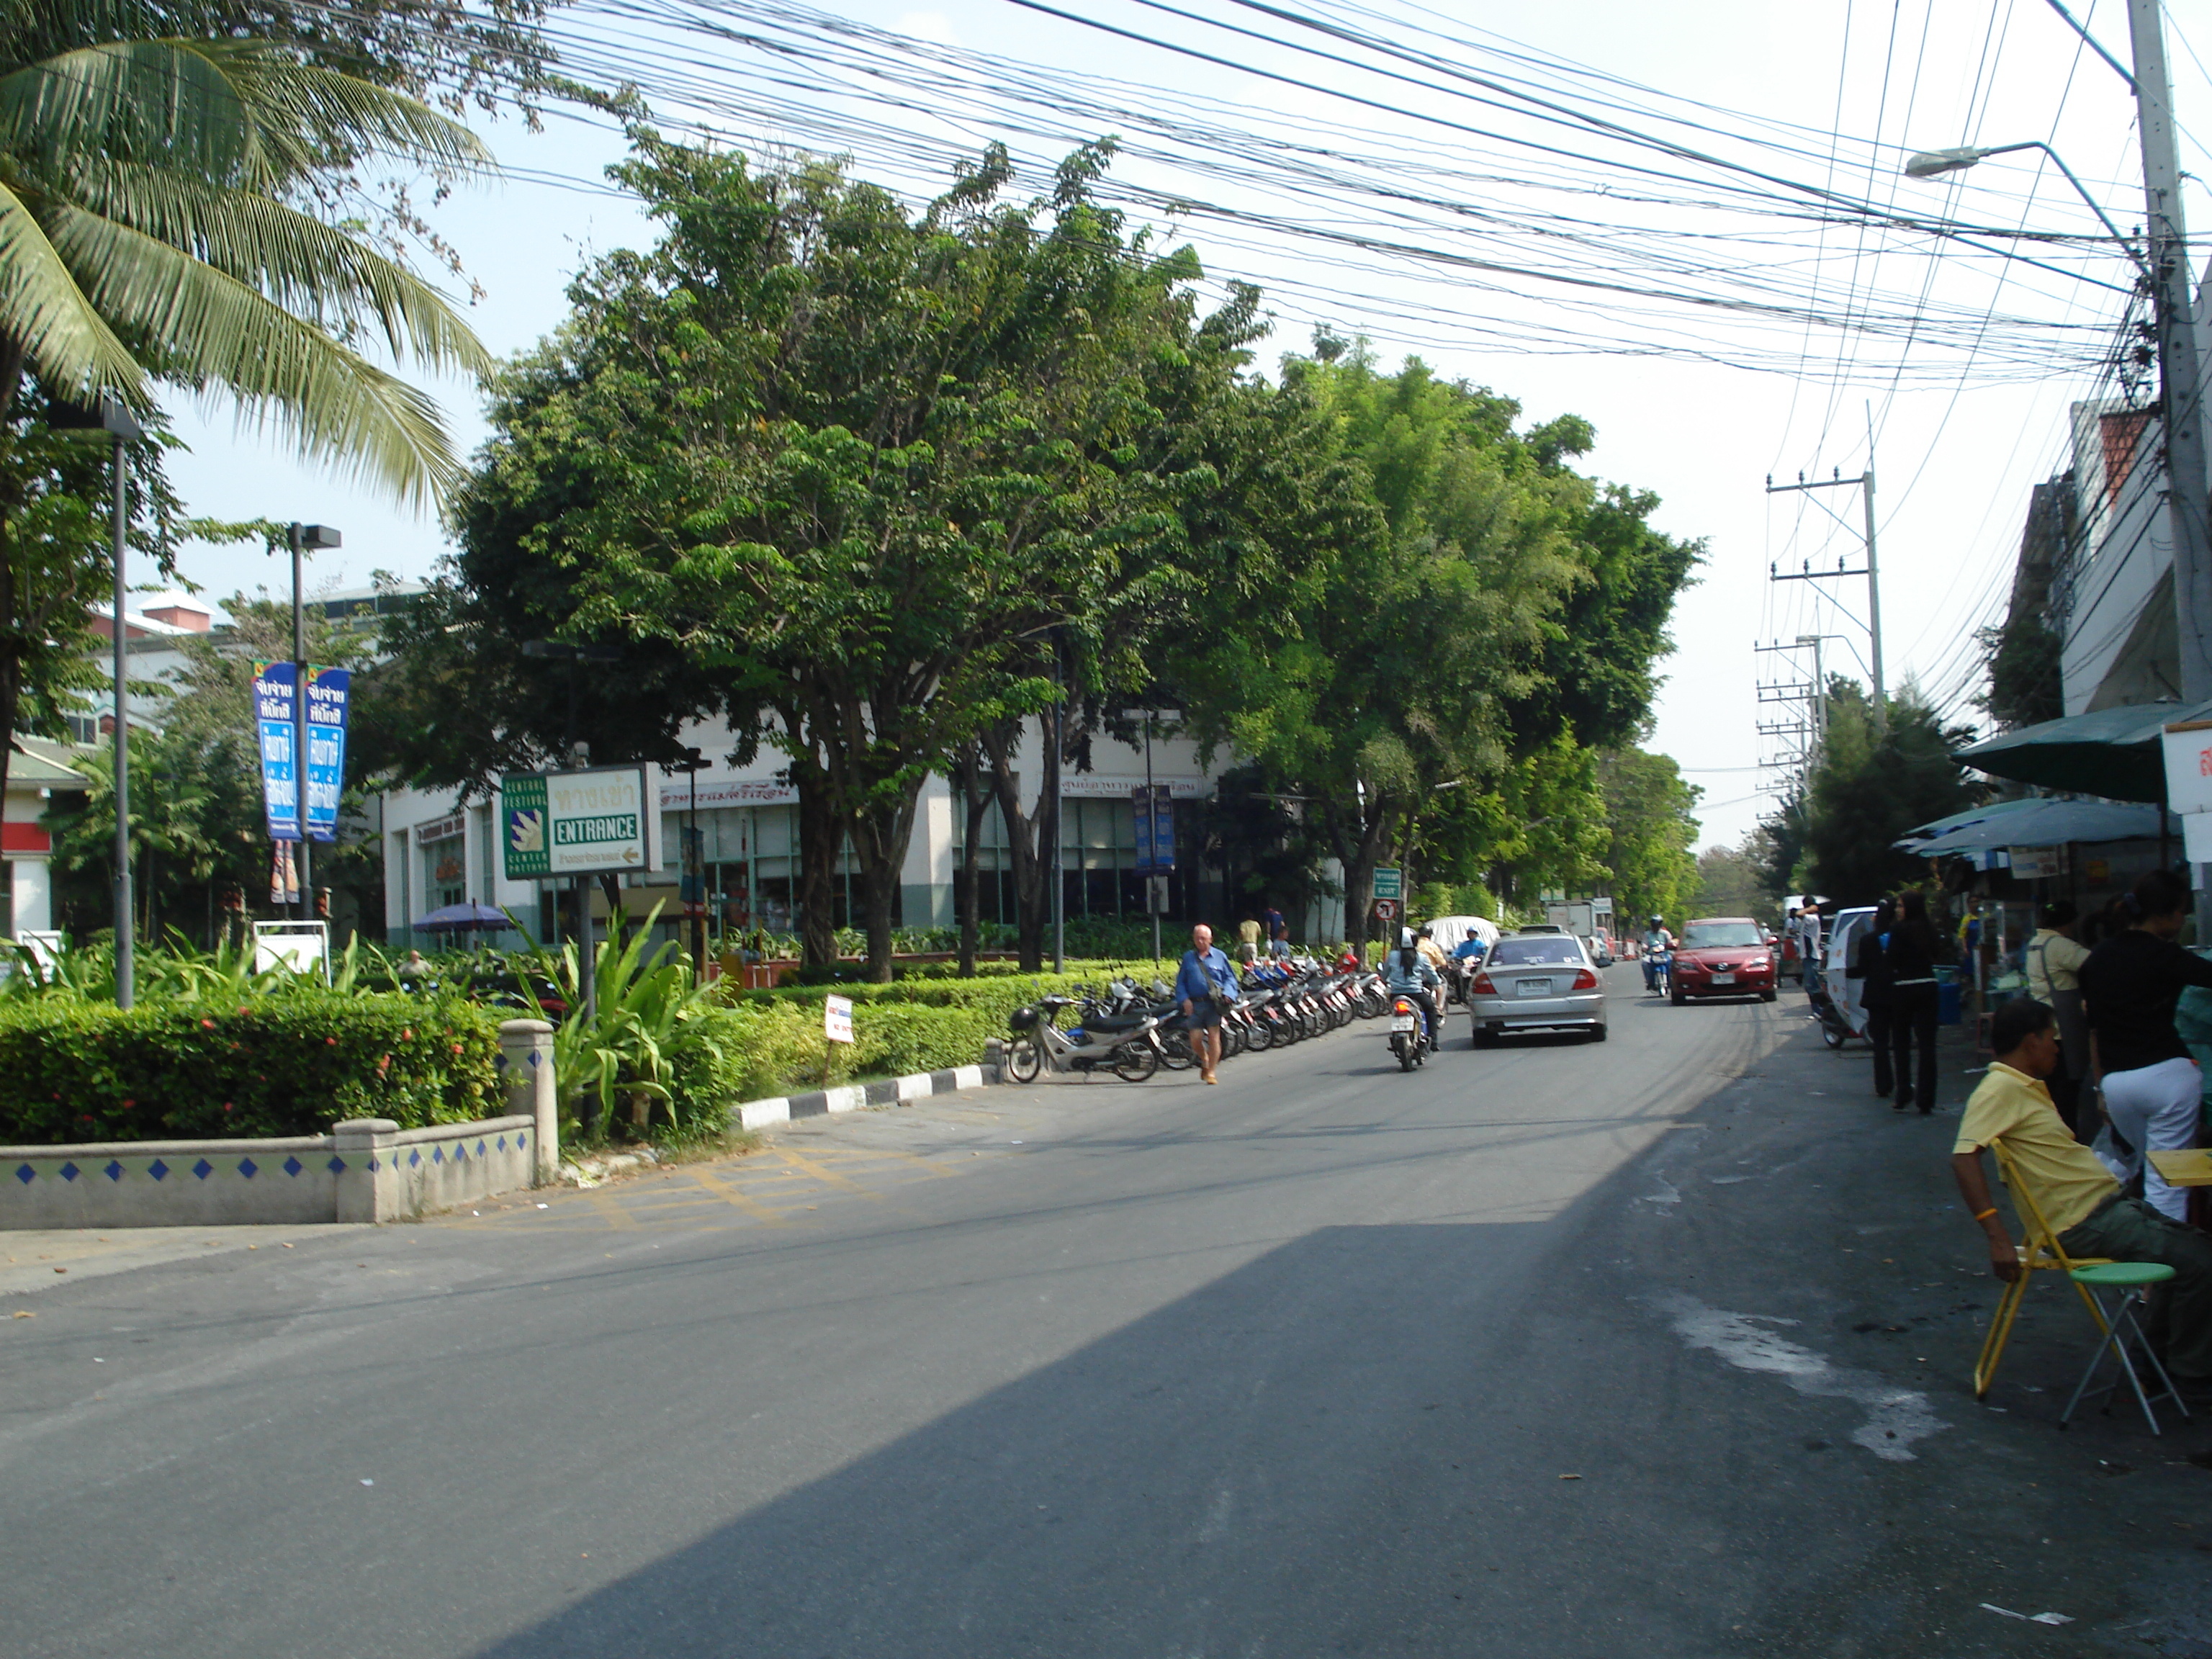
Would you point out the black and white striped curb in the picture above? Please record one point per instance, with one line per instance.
(892, 1092)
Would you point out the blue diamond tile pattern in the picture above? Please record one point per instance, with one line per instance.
(437, 1155)
(520, 1141)
(203, 1169)
(69, 1172)
(414, 1159)
(503, 1143)
(480, 1151)
(337, 1166)
(157, 1168)
(25, 1174)
(293, 1166)
(373, 1166)
(113, 1171)
(247, 1168)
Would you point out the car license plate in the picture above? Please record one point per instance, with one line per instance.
(1535, 987)
(1723, 979)
(1401, 1022)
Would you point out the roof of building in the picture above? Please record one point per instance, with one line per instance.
(41, 763)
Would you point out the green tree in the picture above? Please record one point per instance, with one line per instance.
(1733, 881)
(1869, 787)
(1651, 823)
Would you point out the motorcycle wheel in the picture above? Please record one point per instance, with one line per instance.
(1259, 1036)
(1134, 1063)
(1234, 1036)
(1405, 1053)
(1833, 1038)
(1175, 1051)
(1023, 1060)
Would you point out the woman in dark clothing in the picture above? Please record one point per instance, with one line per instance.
(2129, 987)
(1870, 966)
(1911, 955)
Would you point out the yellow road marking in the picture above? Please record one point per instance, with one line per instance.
(616, 1215)
(828, 1177)
(742, 1201)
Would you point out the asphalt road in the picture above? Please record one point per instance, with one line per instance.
(1658, 1347)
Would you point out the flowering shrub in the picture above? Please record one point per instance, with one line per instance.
(72, 1069)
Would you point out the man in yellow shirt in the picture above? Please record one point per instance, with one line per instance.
(2077, 1196)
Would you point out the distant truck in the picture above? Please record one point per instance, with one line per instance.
(1590, 919)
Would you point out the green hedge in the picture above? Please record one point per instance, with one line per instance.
(775, 1046)
(77, 1070)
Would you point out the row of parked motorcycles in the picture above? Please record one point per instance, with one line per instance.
(1132, 1032)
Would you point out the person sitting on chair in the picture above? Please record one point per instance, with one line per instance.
(2076, 1193)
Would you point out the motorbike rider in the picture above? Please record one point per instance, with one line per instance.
(1407, 974)
(1656, 939)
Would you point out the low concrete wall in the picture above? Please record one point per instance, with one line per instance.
(365, 1170)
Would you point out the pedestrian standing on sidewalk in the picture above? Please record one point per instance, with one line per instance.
(1247, 941)
(2054, 968)
(2129, 985)
(1870, 966)
(1279, 934)
(1206, 985)
(1914, 945)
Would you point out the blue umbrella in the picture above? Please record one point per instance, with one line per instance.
(464, 918)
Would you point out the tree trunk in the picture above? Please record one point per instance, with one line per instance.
(1032, 870)
(821, 837)
(880, 836)
(969, 774)
(1357, 844)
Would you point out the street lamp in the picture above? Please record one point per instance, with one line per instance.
(110, 416)
(303, 538)
(1935, 163)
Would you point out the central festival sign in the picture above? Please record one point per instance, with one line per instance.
(591, 823)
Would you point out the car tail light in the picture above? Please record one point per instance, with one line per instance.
(1585, 980)
(1483, 987)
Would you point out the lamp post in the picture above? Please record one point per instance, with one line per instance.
(576, 755)
(302, 537)
(110, 416)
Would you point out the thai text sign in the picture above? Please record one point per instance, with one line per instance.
(837, 1019)
(575, 823)
(329, 691)
(1155, 821)
(276, 717)
(2188, 746)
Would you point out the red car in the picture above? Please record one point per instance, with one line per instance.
(1722, 957)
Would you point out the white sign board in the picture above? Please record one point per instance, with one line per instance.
(2037, 863)
(837, 1019)
(2188, 745)
(577, 823)
(304, 947)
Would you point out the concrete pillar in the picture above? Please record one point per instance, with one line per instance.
(368, 1186)
(525, 1063)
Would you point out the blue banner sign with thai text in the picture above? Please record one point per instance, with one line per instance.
(330, 692)
(275, 716)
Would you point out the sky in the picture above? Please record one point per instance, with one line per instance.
(1964, 416)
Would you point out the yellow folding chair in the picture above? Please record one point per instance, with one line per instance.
(2039, 1252)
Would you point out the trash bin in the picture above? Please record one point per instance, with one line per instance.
(1950, 997)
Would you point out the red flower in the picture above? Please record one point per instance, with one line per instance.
(127, 1104)
(226, 1105)
(333, 1042)
(407, 1035)
(207, 1024)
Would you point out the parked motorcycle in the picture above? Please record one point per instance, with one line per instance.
(1120, 1043)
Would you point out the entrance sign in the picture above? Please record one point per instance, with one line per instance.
(598, 821)
(1387, 885)
(275, 716)
(837, 1019)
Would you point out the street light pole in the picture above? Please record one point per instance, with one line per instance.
(126, 967)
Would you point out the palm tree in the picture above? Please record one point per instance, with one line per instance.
(150, 234)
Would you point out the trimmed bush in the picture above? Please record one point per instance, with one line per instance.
(775, 1046)
(74, 1070)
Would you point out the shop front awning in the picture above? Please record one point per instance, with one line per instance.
(2046, 822)
(2112, 752)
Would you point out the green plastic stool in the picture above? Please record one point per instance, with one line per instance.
(2133, 1280)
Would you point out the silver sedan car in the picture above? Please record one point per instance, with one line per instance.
(1537, 982)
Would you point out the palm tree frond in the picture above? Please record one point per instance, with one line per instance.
(64, 335)
(130, 98)
(312, 268)
(214, 330)
(306, 113)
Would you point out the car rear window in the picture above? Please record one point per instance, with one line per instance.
(1723, 936)
(1554, 952)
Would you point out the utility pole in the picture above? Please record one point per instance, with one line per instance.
(1871, 570)
(2181, 406)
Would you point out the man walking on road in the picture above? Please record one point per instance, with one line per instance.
(1204, 985)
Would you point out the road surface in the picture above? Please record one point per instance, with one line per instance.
(1653, 1347)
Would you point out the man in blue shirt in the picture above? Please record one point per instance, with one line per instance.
(1204, 985)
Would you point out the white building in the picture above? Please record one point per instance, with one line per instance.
(438, 850)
